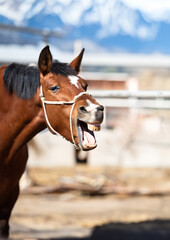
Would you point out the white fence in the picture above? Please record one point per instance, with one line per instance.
(130, 94)
(133, 99)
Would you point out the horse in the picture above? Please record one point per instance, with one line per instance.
(52, 96)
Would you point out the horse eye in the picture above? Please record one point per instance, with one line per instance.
(54, 88)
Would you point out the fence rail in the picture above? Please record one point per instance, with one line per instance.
(130, 94)
(136, 99)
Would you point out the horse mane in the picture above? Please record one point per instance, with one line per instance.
(23, 80)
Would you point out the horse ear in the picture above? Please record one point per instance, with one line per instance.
(45, 61)
(75, 64)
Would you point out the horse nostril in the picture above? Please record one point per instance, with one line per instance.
(93, 107)
(100, 108)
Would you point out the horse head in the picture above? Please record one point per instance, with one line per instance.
(69, 110)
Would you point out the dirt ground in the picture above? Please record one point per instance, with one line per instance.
(94, 204)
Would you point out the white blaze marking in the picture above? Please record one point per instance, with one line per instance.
(74, 80)
(91, 106)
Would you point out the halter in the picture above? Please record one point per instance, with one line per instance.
(61, 103)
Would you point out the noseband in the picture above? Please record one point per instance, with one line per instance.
(60, 103)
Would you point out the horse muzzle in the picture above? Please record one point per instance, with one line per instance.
(88, 120)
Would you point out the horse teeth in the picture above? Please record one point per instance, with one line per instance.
(94, 127)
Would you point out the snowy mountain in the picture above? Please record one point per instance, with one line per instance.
(102, 25)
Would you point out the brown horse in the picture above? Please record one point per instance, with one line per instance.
(32, 99)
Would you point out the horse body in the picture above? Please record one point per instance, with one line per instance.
(22, 117)
(20, 120)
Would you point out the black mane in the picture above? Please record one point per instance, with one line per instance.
(24, 80)
(62, 68)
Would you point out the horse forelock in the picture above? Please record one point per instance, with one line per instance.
(23, 80)
(63, 69)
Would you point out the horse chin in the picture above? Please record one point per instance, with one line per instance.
(87, 140)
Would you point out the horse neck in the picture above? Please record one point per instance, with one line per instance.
(20, 120)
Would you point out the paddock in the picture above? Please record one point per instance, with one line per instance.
(134, 205)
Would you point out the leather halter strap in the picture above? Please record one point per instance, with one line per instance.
(44, 102)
